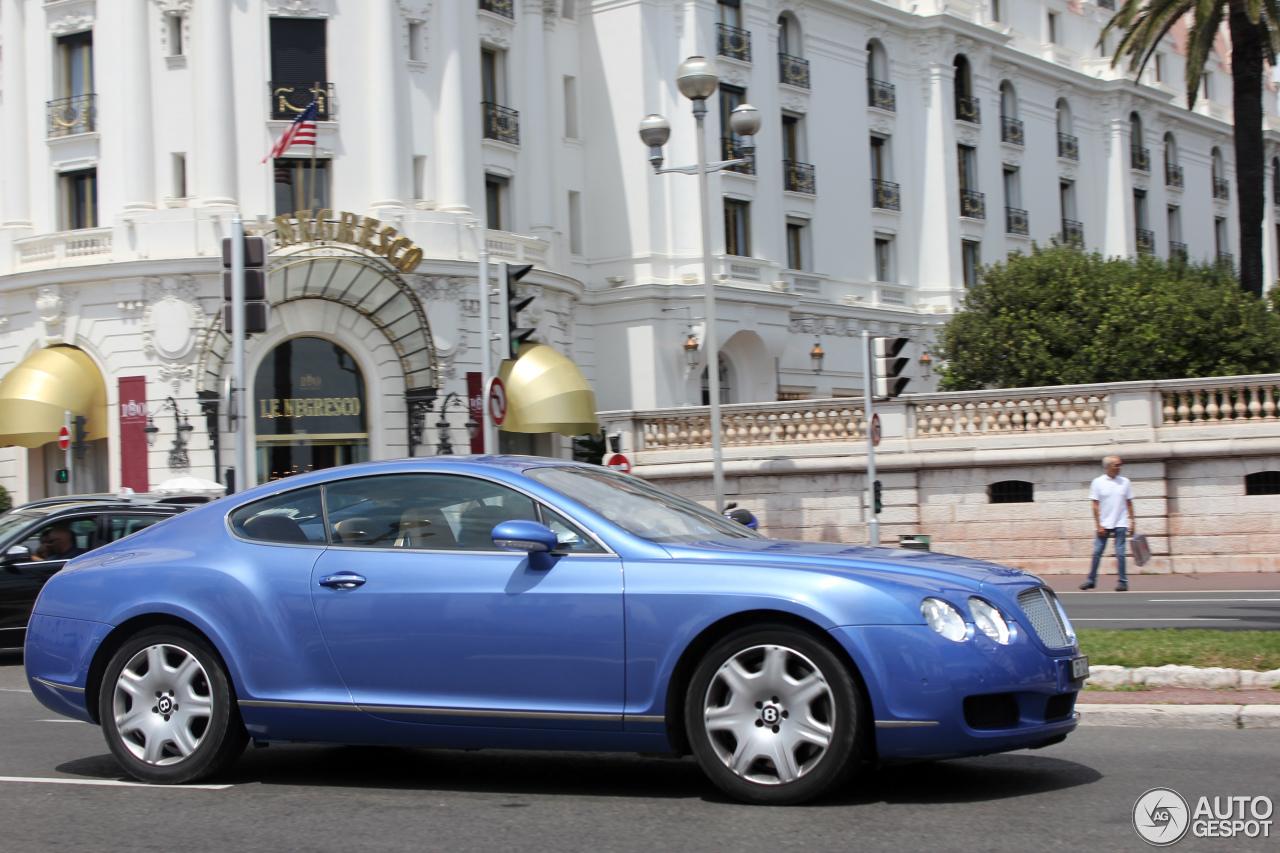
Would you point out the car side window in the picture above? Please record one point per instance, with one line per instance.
(64, 539)
(120, 526)
(433, 512)
(569, 535)
(293, 518)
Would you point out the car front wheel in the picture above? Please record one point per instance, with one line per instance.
(773, 716)
(167, 708)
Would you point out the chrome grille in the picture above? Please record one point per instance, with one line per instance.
(1041, 607)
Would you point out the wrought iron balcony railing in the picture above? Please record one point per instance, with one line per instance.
(1016, 221)
(793, 70)
(1068, 147)
(797, 177)
(289, 99)
(973, 204)
(1177, 250)
(1145, 241)
(1072, 232)
(1140, 158)
(1172, 175)
(1011, 131)
(967, 109)
(1226, 258)
(733, 42)
(68, 116)
(882, 95)
(1221, 188)
(731, 149)
(885, 195)
(504, 8)
(501, 123)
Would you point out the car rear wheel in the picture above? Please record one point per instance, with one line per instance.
(168, 710)
(773, 716)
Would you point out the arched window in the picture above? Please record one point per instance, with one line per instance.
(1172, 171)
(1221, 189)
(880, 92)
(792, 68)
(1262, 483)
(725, 391)
(1010, 126)
(966, 103)
(1011, 492)
(1068, 145)
(1139, 156)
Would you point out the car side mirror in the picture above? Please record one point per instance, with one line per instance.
(17, 554)
(524, 535)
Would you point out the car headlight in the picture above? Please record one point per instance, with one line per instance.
(944, 619)
(989, 621)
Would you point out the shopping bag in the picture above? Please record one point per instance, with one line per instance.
(1141, 550)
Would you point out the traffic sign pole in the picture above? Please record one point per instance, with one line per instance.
(873, 524)
(65, 436)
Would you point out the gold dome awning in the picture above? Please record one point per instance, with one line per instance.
(546, 392)
(35, 396)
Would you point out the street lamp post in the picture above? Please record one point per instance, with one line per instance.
(697, 79)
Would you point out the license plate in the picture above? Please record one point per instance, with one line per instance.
(1079, 667)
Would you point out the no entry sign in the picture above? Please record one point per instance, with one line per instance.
(64, 438)
(497, 400)
(618, 462)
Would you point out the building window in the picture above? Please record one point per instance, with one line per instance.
(173, 25)
(1051, 31)
(571, 108)
(797, 252)
(884, 258)
(880, 92)
(995, 11)
(1177, 248)
(79, 199)
(724, 385)
(732, 97)
(75, 65)
(415, 41)
(1220, 240)
(1159, 67)
(300, 185)
(419, 177)
(575, 223)
(884, 192)
(1011, 492)
(972, 203)
(792, 69)
(1221, 188)
(737, 227)
(971, 261)
(1262, 483)
(180, 176)
(1144, 238)
(299, 67)
(495, 201)
(1072, 229)
(966, 103)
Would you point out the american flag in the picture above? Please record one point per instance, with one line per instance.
(301, 132)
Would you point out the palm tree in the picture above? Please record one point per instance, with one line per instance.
(1255, 36)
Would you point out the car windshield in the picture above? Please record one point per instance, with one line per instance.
(640, 508)
(13, 522)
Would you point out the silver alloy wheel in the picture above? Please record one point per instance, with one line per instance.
(162, 704)
(769, 714)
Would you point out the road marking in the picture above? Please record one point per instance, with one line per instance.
(58, 721)
(12, 690)
(1123, 619)
(1162, 600)
(111, 783)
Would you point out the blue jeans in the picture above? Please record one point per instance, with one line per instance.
(1100, 545)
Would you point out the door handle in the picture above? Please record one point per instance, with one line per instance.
(342, 581)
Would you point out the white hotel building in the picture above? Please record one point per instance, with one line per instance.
(903, 144)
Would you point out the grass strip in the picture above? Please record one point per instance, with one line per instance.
(1255, 650)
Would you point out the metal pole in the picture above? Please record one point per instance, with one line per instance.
(489, 428)
(869, 385)
(709, 292)
(238, 410)
(71, 471)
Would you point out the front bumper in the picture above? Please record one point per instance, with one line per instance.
(1018, 696)
(57, 656)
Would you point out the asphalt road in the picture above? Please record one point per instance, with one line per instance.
(1224, 602)
(1074, 796)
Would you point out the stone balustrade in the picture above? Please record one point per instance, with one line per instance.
(750, 425)
(1245, 398)
(69, 248)
(1011, 415)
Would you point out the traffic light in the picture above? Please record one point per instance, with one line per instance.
(888, 364)
(80, 433)
(255, 285)
(514, 304)
(875, 491)
(62, 476)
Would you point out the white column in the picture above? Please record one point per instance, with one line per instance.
(216, 144)
(940, 264)
(17, 167)
(535, 110)
(1118, 237)
(136, 130)
(457, 123)
(386, 164)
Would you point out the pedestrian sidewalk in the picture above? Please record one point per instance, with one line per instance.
(1209, 581)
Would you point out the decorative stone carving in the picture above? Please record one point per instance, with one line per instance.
(966, 135)
(881, 124)
(732, 74)
(299, 8)
(50, 306)
(173, 7)
(1141, 181)
(795, 102)
(173, 322)
(1067, 171)
(71, 23)
(495, 33)
(1012, 156)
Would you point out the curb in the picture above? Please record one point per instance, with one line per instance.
(1171, 675)
(1182, 716)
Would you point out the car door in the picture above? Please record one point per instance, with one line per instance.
(429, 622)
(21, 577)
(118, 525)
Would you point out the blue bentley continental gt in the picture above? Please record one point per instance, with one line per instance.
(522, 603)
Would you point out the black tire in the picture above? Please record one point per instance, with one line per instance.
(779, 709)
(172, 718)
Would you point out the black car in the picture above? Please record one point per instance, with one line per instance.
(36, 540)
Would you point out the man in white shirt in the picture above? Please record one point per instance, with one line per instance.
(1112, 497)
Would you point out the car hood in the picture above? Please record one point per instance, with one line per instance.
(853, 560)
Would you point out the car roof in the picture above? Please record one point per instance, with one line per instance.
(81, 506)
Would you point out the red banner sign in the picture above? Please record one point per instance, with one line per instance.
(133, 441)
(475, 403)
